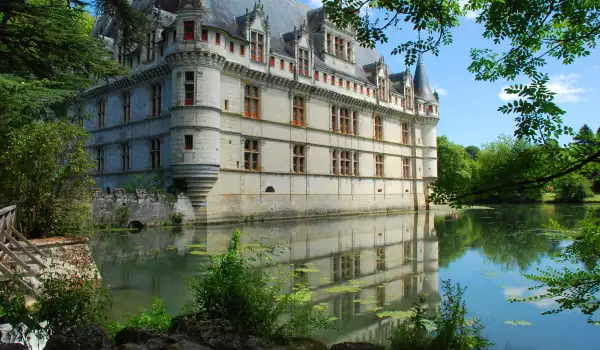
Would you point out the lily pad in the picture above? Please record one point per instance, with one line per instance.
(374, 309)
(171, 247)
(332, 319)
(200, 252)
(399, 315)
(192, 246)
(518, 323)
(342, 289)
(325, 280)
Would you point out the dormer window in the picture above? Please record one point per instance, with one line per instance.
(349, 51)
(188, 30)
(381, 88)
(408, 98)
(303, 61)
(329, 43)
(256, 46)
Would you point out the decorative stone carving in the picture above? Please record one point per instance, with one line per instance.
(190, 5)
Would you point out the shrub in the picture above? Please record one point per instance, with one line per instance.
(177, 218)
(231, 289)
(64, 302)
(157, 319)
(573, 188)
(450, 330)
(121, 215)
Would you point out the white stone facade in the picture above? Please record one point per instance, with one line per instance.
(381, 158)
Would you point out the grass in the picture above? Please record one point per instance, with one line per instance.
(594, 199)
(549, 197)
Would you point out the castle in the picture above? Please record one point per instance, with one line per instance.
(262, 109)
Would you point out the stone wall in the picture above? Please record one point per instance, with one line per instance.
(147, 209)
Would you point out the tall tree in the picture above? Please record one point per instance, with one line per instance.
(585, 136)
(473, 151)
(525, 34)
(456, 170)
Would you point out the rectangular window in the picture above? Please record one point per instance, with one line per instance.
(340, 82)
(101, 111)
(291, 67)
(329, 43)
(430, 109)
(355, 165)
(381, 86)
(406, 168)
(407, 252)
(272, 61)
(303, 61)
(204, 36)
(189, 88)
(402, 102)
(150, 45)
(333, 80)
(231, 47)
(256, 46)
(155, 154)
(347, 85)
(345, 163)
(126, 107)
(355, 87)
(156, 99)
(188, 30)
(368, 91)
(299, 109)
(189, 142)
(226, 105)
(125, 156)
(316, 76)
(251, 153)
(218, 38)
(355, 123)
(325, 77)
(334, 119)
(379, 165)
(242, 50)
(298, 159)
(408, 98)
(251, 100)
(100, 160)
(338, 49)
(405, 133)
(378, 127)
(281, 64)
(349, 51)
(344, 121)
(361, 90)
(334, 162)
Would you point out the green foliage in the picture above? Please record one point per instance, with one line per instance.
(450, 330)
(65, 301)
(157, 319)
(231, 289)
(151, 183)
(456, 169)
(44, 169)
(177, 218)
(573, 187)
(121, 215)
(573, 288)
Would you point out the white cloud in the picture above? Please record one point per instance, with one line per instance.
(440, 91)
(521, 292)
(315, 3)
(563, 85)
(469, 14)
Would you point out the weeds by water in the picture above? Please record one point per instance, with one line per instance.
(450, 330)
(157, 319)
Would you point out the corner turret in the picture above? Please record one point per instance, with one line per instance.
(422, 89)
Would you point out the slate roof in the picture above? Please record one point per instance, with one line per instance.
(282, 15)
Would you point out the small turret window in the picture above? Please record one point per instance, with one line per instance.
(189, 88)
(189, 142)
(188, 30)
(256, 47)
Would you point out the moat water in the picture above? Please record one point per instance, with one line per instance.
(393, 259)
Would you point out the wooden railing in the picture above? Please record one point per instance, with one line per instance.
(17, 253)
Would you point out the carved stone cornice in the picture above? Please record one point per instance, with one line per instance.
(119, 83)
(197, 57)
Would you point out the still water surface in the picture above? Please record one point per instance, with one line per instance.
(394, 259)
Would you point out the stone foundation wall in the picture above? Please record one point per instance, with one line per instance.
(147, 209)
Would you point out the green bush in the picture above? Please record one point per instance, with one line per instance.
(450, 330)
(231, 289)
(177, 218)
(121, 216)
(157, 319)
(65, 301)
(573, 188)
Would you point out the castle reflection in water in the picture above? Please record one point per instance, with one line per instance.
(394, 259)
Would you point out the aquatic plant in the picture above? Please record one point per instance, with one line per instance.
(231, 288)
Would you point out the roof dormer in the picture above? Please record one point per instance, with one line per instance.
(254, 26)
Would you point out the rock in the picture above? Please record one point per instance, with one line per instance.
(216, 333)
(356, 346)
(132, 346)
(12, 346)
(134, 335)
(81, 338)
(186, 345)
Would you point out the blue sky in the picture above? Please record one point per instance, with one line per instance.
(468, 108)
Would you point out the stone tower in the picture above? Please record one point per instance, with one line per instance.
(196, 65)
